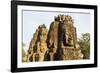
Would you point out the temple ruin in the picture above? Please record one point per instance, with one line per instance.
(57, 43)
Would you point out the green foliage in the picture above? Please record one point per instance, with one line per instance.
(24, 55)
(84, 42)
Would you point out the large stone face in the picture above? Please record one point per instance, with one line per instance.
(52, 40)
(38, 45)
(59, 43)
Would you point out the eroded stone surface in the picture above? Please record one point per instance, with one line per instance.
(38, 45)
(57, 43)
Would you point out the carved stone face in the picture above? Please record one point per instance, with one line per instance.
(65, 35)
(43, 34)
(65, 30)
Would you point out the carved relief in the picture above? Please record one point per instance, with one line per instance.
(59, 43)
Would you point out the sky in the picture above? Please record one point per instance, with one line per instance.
(32, 19)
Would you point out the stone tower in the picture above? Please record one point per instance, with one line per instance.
(62, 39)
(59, 43)
(38, 45)
(68, 48)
